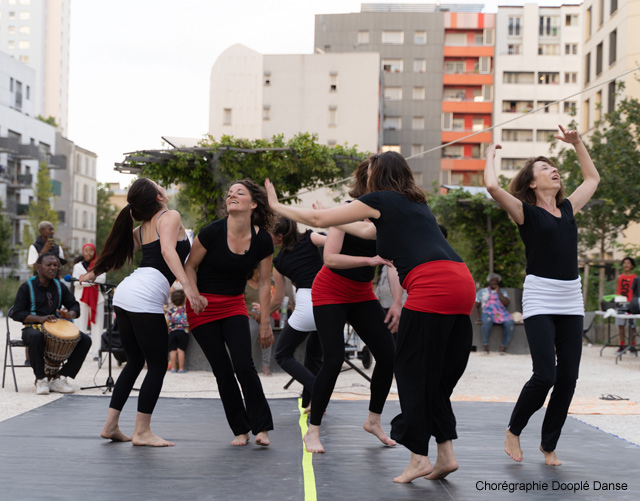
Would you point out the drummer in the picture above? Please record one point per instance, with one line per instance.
(40, 299)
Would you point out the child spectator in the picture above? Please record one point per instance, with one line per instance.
(625, 281)
(178, 331)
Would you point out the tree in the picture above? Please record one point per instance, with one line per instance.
(478, 227)
(40, 208)
(105, 215)
(204, 173)
(6, 250)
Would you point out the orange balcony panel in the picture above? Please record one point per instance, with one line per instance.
(462, 164)
(483, 137)
(468, 51)
(467, 107)
(462, 79)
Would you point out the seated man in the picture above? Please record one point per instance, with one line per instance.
(41, 299)
(494, 304)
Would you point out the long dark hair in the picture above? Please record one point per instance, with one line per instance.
(289, 231)
(262, 216)
(520, 185)
(142, 205)
(391, 172)
(360, 178)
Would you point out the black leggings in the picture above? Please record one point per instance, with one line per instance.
(367, 319)
(431, 356)
(232, 333)
(288, 341)
(144, 336)
(555, 342)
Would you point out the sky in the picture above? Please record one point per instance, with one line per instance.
(139, 69)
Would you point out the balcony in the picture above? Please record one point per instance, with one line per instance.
(481, 137)
(467, 106)
(466, 79)
(462, 164)
(57, 162)
(28, 152)
(15, 209)
(9, 145)
(468, 50)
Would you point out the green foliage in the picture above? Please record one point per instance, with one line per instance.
(40, 208)
(466, 218)
(49, 120)
(292, 165)
(105, 215)
(614, 149)
(6, 249)
(8, 290)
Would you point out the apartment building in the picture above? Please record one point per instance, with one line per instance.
(537, 67)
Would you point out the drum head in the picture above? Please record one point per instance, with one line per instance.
(62, 329)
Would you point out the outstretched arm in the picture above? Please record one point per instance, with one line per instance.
(585, 191)
(508, 202)
(333, 258)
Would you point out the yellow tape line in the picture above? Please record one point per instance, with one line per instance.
(307, 460)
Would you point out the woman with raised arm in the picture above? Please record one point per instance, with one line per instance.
(299, 260)
(342, 293)
(552, 304)
(434, 335)
(223, 257)
(139, 300)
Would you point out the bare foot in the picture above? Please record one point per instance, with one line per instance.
(307, 409)
(312, 440)
(242, 439)
(374, 427)
(115, 435)
(512, 446)
(446, 462)
(550, 458)
(151, 439)
(418, 466)
(262, 438)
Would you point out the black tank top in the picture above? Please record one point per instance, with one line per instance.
(355, 246)
(152, 255)
(301, 264)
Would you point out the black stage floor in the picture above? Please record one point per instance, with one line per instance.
(54, 453)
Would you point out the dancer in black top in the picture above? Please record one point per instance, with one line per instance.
(223, 257)
(299, 260)
(139, 300)
(552, 306)
(434, 335)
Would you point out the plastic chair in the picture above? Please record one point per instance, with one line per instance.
(11, 343)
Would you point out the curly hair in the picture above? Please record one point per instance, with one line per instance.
(520, 185)
(262, 216)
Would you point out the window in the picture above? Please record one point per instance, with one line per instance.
(548, 49)
(453, 94)
(599, 50)
(455, 38)
(613, 6)
(331, 142)
(457, 124)
(571, 20)
(478, 124)
(25, 30)
(85, 193)
(393, 37)
(512, 163)
(613, 49)
(598, 106)
(418, 94)
(485, 65)
(333, 82)
(588, 23)
(363, 37)
(84, 219)
(453, 151)
(513, 49)
(24, 59)
(516, 106)
(569, 107)
(570, 49)
(420, 38)
(447, 121)
(454, 67)
(611, 104)
(25, 2)
(266, 112)
(417, 123)
(12, 30)
(417, 149)
(514, 26)
(390, 147)
(23, 44)
(600, 12)
(333, 116)
(517, 135)
(226, 116)
(544, 136)
(11, 44)
(585, 117)
(479, 39)
(518, 77)
(549, 26)
(587, 68)
(570, 77)
(548, 78)
(393, 93)
(12, 15)
(392, 65)
(25, 15)
(549, 106)
(392, 123)
(28, 94)
(267, 79)
(419, 65)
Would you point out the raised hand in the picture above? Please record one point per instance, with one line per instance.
(490, 152)
(271, 193)
(568, 136)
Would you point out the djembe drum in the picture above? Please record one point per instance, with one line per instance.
(61, 337)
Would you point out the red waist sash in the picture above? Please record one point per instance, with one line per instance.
(331, 288)
(219, 307)
(444, 287)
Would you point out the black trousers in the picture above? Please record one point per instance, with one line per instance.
(145, 337)
(35, 342)
(288, 341)
(367, 319)
(555, 342)
(232, 333)
(431, 356)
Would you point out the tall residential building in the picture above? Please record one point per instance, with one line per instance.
(467, 98)
(336, 96)
(537, 62)
(36, 32)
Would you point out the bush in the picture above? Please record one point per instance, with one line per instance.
(8, 289)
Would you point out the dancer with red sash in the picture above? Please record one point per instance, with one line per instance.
(223, 257)
(435, 332)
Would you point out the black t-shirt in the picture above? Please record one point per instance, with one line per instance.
(407, 232)
(354, 246)
(550, 243)
(223, 272)
(301, 264)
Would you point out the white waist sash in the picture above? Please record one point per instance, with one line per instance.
(547, 296)
(146, 290)
(302, 317)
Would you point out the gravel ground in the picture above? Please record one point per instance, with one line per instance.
(488, 378)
